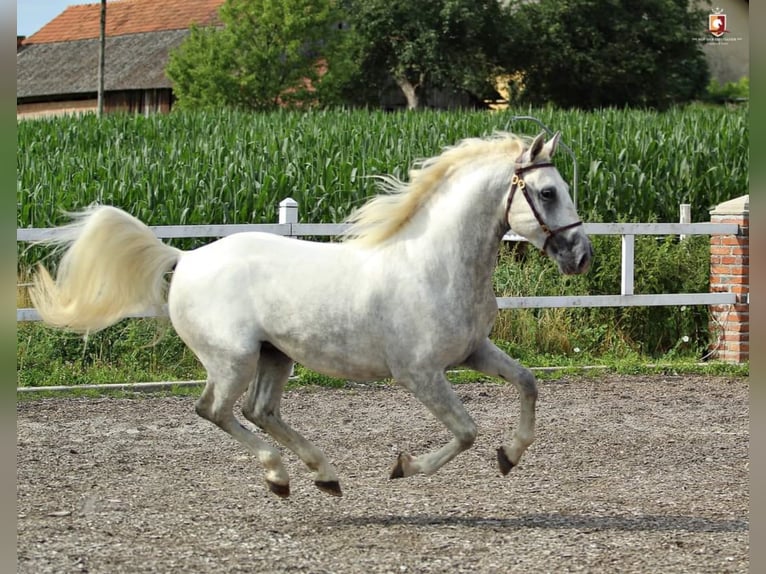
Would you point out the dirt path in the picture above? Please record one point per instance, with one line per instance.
(629, 474)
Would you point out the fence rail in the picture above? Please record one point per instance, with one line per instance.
(30, 235)
(289, 227)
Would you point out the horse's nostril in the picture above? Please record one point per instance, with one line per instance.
(584, 262)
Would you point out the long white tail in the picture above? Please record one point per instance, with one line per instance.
(113, 266)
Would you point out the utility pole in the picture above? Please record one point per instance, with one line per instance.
(101, 46)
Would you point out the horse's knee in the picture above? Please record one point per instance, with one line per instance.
(467, 436)
(527, 384)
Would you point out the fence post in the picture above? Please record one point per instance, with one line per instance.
(628, 264)
(684, 216)
(730, 273)
(288, 210)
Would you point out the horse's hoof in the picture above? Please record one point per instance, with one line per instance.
(281, 490)
(329, 486)
(503, 461)
(398, 470)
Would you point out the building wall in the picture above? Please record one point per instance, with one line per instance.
(139, 101)
(48, 109)
(132, 101)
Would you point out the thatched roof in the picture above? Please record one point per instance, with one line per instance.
(135, 61)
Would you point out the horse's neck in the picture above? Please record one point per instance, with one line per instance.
(463, 224)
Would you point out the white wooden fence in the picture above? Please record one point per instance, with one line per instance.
(288, 226)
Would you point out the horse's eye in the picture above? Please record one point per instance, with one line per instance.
(548, 193)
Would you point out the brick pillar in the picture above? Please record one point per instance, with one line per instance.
(730, 273)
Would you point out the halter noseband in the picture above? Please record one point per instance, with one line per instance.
(517, 182)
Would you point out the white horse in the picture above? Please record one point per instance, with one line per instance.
(407, 294)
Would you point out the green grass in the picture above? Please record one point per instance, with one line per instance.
(139, 350)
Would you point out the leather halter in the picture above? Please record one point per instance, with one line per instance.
(517, 182)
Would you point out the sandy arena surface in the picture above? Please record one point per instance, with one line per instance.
(628, 474)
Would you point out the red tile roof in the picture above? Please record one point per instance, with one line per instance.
(82, 22)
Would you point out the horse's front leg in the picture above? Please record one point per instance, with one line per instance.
(492, 361)
(436, 393)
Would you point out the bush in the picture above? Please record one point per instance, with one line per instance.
(663, 265)
(729, 92)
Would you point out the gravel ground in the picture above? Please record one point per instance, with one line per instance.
(628, 474)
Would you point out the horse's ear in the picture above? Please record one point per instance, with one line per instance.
(550, 146)
(531, 153)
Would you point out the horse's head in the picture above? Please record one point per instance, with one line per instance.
(540, 209)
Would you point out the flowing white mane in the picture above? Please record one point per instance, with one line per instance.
(386, 214)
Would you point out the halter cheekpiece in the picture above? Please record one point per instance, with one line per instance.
(517, 182)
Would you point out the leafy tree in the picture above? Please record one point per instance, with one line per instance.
(265, 53)
(599, 53)
(435, 44)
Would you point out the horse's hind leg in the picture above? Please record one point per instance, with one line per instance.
(261, 406)
(436, 393)
(492, 361)
(216, 404)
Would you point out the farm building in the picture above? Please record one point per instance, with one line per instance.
(57, 67)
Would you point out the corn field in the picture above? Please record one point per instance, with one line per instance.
(235, 167)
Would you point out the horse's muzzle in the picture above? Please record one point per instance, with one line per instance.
(573, 253)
